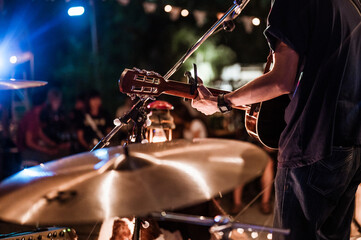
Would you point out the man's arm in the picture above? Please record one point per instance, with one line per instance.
(280, 80)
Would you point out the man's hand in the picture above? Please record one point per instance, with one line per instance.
(205, 102)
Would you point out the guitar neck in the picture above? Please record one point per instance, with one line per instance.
(180, 89)
(133, 82)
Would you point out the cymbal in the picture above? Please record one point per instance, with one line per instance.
(13, 84)
(128, 181)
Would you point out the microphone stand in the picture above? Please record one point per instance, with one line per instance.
(136, 114)
(233, 12)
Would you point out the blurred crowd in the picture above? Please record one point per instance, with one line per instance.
(49, 131)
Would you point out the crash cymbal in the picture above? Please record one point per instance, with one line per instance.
(135, 180)
(13, 84)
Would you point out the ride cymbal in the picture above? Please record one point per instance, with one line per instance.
(13, 84)
(128, 181)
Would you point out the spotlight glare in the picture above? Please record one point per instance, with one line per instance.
(76, 11)
(13, 59)
(256, 21)
(168, 8)
(184, 13)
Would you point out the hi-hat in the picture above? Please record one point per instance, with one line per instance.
(13, 84)
(135, 180)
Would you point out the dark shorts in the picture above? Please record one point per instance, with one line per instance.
(317, 201)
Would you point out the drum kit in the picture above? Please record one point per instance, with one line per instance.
(137, 180)
(141, 180)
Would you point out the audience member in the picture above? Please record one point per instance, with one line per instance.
(34, 145)
(76, 119)
(54, 121)
(95, 123)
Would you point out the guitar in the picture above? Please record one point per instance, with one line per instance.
(265, 126)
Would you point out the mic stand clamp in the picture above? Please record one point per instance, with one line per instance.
(192, 81)
(137, 115)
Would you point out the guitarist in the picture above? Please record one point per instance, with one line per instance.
(316, 47)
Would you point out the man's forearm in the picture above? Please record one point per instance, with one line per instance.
(280, 80)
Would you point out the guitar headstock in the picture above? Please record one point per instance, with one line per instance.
(141, 84)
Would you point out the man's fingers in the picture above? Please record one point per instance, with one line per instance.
(203, 92)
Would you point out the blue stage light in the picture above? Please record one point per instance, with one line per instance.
(76, 11)
(13, 59)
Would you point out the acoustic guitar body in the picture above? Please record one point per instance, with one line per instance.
(265, 121)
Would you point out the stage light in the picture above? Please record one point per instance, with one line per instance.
(168, 8)
(254, 235)
(269, 236)
(184, 13)
(256, 21)
(76, 11)
(13, 59)
(240, 230)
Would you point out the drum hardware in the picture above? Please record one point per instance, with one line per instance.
(59, 233)
(161, 122)
(136, 114)
(218, 224)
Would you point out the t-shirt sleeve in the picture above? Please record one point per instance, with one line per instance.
(289, 21)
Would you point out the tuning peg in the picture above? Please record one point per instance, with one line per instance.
(132, 96)
(136, 69)
(153, 73)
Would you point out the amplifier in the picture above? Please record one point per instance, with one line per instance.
(54, 233)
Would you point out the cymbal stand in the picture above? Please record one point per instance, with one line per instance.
(218, 224)
(136, 114)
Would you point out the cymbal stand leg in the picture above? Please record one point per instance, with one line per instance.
(137, 227)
